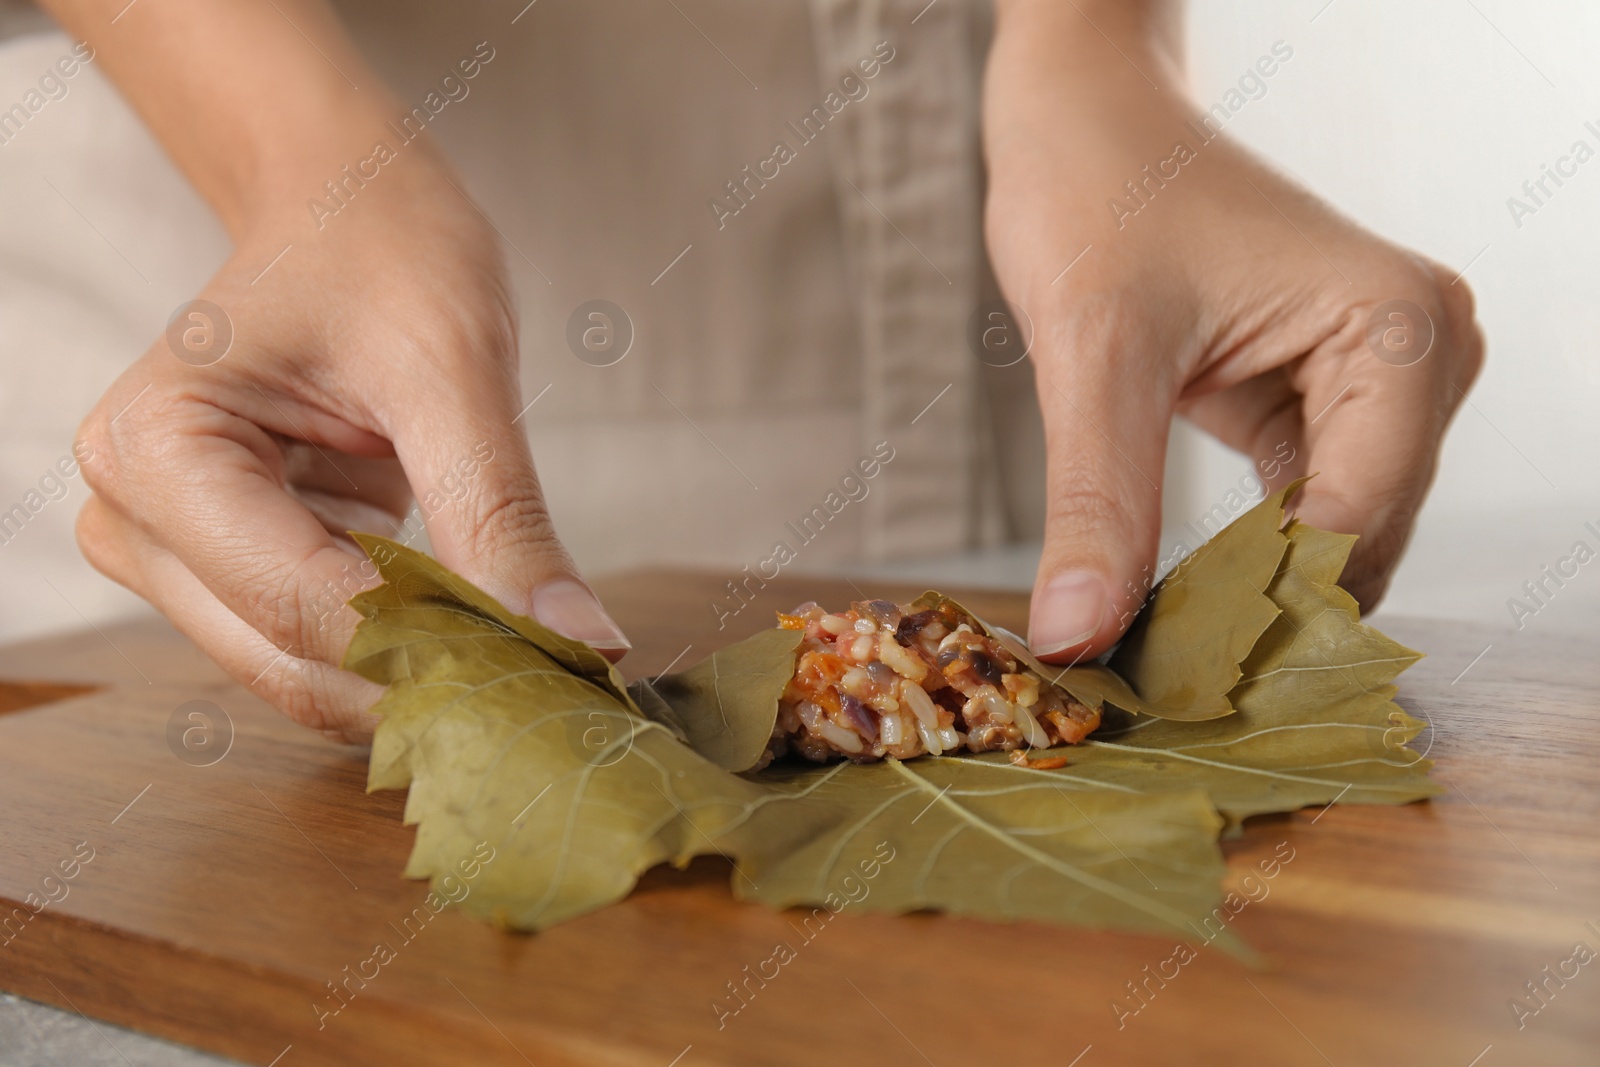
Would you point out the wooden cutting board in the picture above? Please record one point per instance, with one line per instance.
(220, 901)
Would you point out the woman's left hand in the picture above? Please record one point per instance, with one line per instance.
(1218, 290)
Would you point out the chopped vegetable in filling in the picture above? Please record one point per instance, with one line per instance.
(882, 680)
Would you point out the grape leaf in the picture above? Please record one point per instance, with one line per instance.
(1182, 653)
(1315, 720)
(578, 793)
(509, 734)
(728, 702)
(504, 737)
(988, 839)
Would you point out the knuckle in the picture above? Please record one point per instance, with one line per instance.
(1420, 282)
(1449, 300)
(480, 334)
(1089, 324)
(1444, 298)
(506, 519)
(97, 542)
(95, 452)
(1470, 353)
(1466, 335)
(1453, 298)
(289, 689)
(314, 695)
(1079, 505)
(277, 607)
(121, 437)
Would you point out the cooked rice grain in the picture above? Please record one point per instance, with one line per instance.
(882, 680)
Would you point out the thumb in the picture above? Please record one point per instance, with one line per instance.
(1105, 442)
(475, 485)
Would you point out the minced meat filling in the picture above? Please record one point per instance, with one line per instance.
(881, 680)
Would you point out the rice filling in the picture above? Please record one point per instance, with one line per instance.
(887, 680)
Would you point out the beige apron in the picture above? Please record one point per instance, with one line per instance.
(797, 313)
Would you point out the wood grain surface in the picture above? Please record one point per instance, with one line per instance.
(220, 900)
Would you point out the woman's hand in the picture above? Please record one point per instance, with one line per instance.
(1221, 291)
(373, 359)
(374, 363)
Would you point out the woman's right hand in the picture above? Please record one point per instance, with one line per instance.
(373, 363)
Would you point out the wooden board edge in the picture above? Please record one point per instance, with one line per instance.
(171, 991)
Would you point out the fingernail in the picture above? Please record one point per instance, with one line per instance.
(570, 609)
(1068, 611)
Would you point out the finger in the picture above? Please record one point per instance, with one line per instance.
(486, 517)
(1106, 425)
(310, 692)
(1373, 432)
(208, 486)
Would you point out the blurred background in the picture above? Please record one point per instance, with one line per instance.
(1419, 120)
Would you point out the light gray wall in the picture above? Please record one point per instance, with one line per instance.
(1420, 119)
